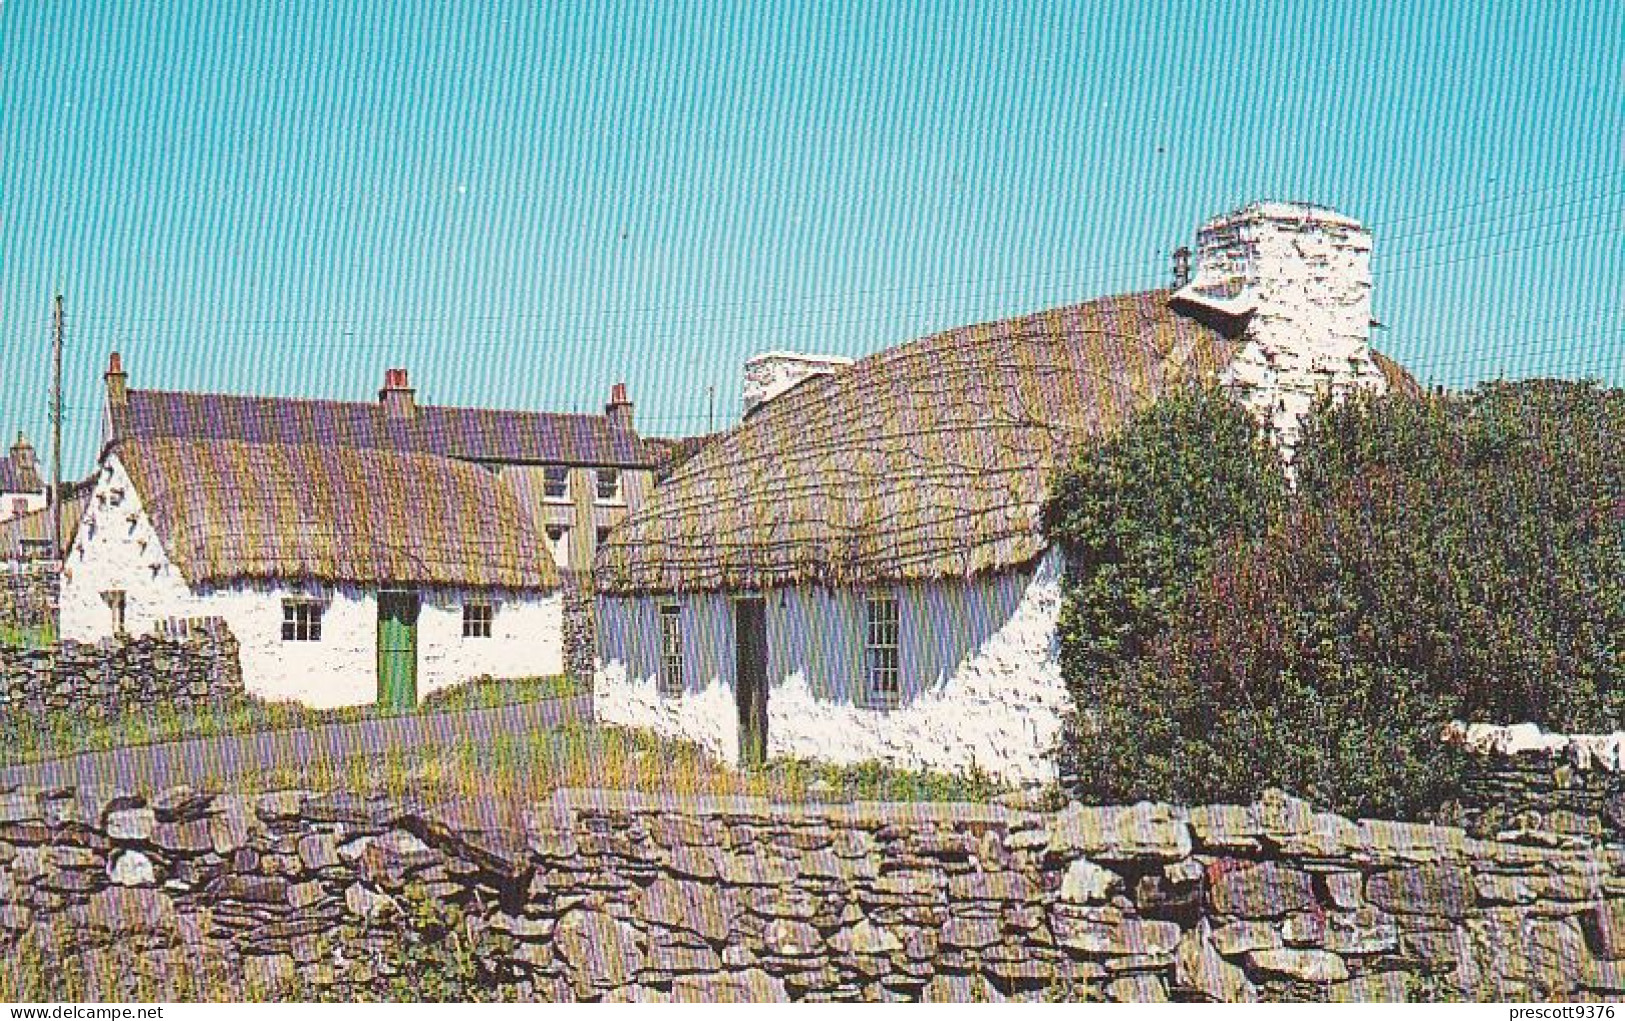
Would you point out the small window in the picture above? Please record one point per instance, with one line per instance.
(556, 482)
(301, 620)
(115, 607)
(671, 650)
(558, 544)
(882, 688)
(603, 534)
(19, 505)
(609, 485)
(477, 620)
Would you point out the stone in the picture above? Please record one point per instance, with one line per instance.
(1375, 987)
(1127, 936)
(130, 824)
(269, 974)
(1199, 967)
(1360, 932)
(1265, 890)
(318, 851)
(180, 804)
(279, 805)
(694, 862)
(693, 907)
(1001, 886)
(522, 926)
(365, 903)
(1087, 883)
(1137, 988)
(131, 868)
(751, 986)
(1225, 828)
(600, 951)
(19, 807)
(1445, 891)
(303, 895)
(865, 938)
(533, 955)
(127, 911)
(250, 889)
(970, 933)
(1386, 840)
(786, 937)
(1145, 831)
(679, 960)
(190, 836)
(1343, 889)
(15, 917)
(1237, 938)
(229, 830)
(1299, 965)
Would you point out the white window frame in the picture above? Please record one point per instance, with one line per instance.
(303, 626)
(618, 496)
(670, 680)
(560, 547)
(882, 651)
(485, 628)
(562, 497)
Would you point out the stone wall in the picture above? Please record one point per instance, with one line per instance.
(28, 593)
(614, 896)
(1527, 778)
(580, 650)
(192, 664)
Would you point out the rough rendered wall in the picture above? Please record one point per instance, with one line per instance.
(981, 675)
(604, 895)
(1308, 271)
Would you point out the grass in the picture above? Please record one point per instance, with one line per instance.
(15, 637)
(518, 768)
(60, 734)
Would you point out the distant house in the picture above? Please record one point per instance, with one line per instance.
(360, 552)
(21, 488)
(858, 571)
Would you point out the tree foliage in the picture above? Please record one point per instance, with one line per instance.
(1443, 558)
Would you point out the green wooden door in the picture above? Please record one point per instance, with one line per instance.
(397, 650)
(750, 679)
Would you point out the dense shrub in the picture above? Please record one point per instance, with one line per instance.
(1439, 559)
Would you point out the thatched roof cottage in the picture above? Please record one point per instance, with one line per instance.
(858, 571)
(359, 552)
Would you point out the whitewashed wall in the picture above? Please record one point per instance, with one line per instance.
(980, 669)
(117, 548)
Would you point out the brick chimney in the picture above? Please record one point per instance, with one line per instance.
(619, 408)
(22, 454)
(397, 398)
(1297, 279)
(118, 389)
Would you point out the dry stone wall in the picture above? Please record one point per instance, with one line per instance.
(612, 896)
(28, 593)
(194, 665)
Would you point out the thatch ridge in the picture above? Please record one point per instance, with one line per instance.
(228, 510)
(922, 461)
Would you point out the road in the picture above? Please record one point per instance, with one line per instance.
(206, 762)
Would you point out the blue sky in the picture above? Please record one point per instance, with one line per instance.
(523, 204)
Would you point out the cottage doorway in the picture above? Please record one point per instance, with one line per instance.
(750, 679)
(398, 650)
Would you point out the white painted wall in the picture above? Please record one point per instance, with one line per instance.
(117, 548)
(1305, 272)
(771, 374)
(980, 664)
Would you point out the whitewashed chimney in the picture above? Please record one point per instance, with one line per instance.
(769, 375)
(1299, 277)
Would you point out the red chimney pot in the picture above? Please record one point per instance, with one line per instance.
(617, 394)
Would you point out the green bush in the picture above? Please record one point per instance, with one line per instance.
(1439, 559)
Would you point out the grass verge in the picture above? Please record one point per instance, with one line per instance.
(62, 734)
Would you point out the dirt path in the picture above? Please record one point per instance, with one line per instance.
(207, 762)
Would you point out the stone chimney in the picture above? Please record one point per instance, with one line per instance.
(22, 454)
(619, 408)
(1297, 278)
(769, 375)
(398, 399)
(118, 384)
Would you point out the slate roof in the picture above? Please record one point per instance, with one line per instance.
(471, 434)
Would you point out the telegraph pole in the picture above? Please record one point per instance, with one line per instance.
(56, 430)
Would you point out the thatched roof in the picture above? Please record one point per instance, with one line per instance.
(228, 510)
(470, 434)
(923, 461)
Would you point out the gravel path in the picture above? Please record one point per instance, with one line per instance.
(206, 762)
